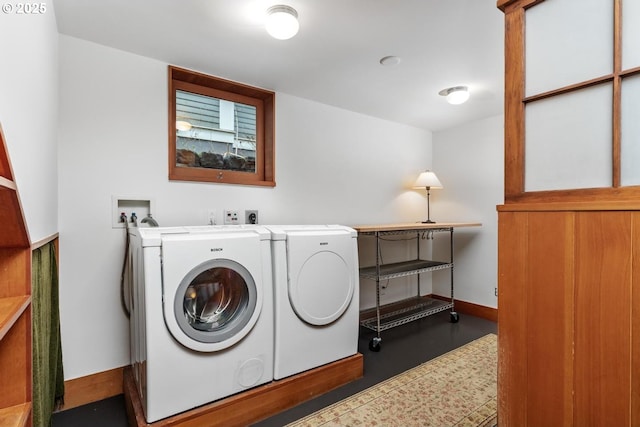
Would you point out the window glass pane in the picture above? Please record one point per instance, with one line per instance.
(197, 110)
(566, 42)
(215, 133)
(568, 141)
(630, 150)
(630, 34)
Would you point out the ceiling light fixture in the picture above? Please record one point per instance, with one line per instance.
(456, 95)
(390, 60)
(282, 22)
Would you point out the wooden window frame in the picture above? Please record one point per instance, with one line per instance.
(514, 116)
(263, 100)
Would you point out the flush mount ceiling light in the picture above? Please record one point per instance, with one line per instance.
(455, 95)
(390, 61)
(282, 22)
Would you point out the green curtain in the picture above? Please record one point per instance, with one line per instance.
(48, 378)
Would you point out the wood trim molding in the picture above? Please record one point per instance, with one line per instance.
(506, 5)
(551, 206)
(42, 242)
(7, 183)
(94, 387)
(472, 309)
(513, 105)
(264, 102)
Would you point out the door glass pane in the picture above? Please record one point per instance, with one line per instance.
(215, 298)
(568, 141)
(630, 34)
(566, 42)
(630, 151)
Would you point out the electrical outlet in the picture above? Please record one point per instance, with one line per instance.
(231, 217)
(251, 217)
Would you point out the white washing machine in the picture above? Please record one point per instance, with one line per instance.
(202, 315)
(316, 296)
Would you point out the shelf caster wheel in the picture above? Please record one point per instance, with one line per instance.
(374, 344)
(454, 317)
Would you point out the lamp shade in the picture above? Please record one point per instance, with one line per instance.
(427, 179)
(282, 22)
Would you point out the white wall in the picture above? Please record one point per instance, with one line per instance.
(332, 166)
(469, 162)
(28, 112)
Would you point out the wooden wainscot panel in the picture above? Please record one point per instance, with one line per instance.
(512, 338)
(549, 318)
(635, 326)
(603, 314)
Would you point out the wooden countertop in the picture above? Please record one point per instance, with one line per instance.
(412, 226)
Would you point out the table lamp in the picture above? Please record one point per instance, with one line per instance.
(427, 180)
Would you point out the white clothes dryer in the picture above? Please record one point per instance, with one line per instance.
(316, 296)
(202, 315)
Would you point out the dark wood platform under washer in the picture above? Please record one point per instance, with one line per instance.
(255, 404)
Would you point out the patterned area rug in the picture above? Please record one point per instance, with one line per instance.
(457, 389)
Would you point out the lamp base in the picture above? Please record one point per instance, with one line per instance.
(428, 222)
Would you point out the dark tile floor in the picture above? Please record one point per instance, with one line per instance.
(403, 347)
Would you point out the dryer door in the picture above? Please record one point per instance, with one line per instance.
(211, 301)
(215, 301)
(321, 274)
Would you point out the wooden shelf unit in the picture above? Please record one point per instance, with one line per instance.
(11, 309)
(15, 302)
(15, 415)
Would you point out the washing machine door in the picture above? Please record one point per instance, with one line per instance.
(212, 297)
(321, 274)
